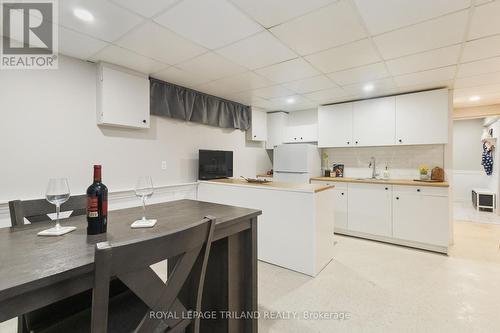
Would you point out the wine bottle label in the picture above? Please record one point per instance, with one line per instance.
(92, 207)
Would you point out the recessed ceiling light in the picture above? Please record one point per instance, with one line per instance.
(83, 14)
(290, 100)
(368, 87)
(474, 98)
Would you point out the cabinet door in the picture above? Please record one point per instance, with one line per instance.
(258, 130)
(335, 125)
(276, 129)
(374, 121)
(419, 217)
(340, 205)
(369, 209)
(422, 118)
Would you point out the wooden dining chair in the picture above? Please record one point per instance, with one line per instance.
(130, 262)
(37, 210)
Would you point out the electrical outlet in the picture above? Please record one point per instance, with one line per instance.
(164, 165)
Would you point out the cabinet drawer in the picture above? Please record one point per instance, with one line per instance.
(425, 190)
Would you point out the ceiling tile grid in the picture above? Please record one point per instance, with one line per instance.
(288, 54)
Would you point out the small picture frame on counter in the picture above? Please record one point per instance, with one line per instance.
(338, 171)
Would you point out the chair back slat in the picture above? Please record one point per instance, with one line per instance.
(130, 262)
(131, 256)
(37, 210)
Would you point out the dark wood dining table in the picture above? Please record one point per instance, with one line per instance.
(36, 271)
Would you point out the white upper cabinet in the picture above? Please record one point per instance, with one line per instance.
(122, 97)
(258, 128)
(410, 119)
(373, 122)
(422, 118)
(276, 129)
(302, 126)
(335, 125)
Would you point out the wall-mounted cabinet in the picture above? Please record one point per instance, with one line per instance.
(410, 119)
(302, 126)
(422, 118)
(276, 129)
(258, 127)
(122, 97)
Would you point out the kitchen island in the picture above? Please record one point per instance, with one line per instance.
(297, 222)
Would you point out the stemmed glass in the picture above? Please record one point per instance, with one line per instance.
(144, 190)
(57, 193)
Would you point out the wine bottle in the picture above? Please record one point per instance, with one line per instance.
(97, 205)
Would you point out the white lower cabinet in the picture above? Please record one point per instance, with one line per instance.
(339, 203)
(421, 215)
(369, 209)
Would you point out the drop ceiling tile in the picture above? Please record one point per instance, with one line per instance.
(272, 12)
(322, 29)
(477, 80)
(381, 87)
(259, 50)
(211, 66)
(123, 57)
(479, 67)
(249, 98)
(343, 57)
(445, 56)
(293, 103)
(485, 21)
(489, 94)
(272, 92)
(327, 96)
(76, 45)
(178, 76)
(237, 83)
(360, 74)
(154, 41)
(385, 15)
(311, 84)
(146, 8)
(440, 32)
(290, 70)
(211, 23)
(430, 76)
(481, 48)
(110, 21)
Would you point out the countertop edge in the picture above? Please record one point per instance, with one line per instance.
(403, 182)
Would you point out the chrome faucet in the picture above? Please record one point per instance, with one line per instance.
(373, 166)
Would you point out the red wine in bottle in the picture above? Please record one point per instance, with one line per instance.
(97, 205)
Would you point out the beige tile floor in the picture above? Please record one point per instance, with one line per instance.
(388, 288)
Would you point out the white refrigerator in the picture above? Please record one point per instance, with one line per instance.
(296, 163)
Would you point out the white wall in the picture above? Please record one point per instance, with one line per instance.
(48, 129)
(467, 150)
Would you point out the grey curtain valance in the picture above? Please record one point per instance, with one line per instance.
(170, 100)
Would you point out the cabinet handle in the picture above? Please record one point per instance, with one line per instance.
(397, 198)
(295, 138)
(300, 138)
(342, 193)
(356, 142)
(418, 190)
(255, 136)
(348, 142)
(400, 140)
(144, 121)
(386, 188)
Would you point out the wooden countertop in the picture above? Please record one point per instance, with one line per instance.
(264, 176)
(408, 182)
(313, 188)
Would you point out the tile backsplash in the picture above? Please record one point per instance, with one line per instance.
(402, 161)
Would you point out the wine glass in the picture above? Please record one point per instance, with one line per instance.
(144, 190)
(57, 193)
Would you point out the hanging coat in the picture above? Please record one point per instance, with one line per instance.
(487, 160)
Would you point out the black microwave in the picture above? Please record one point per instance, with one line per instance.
(214, 164)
